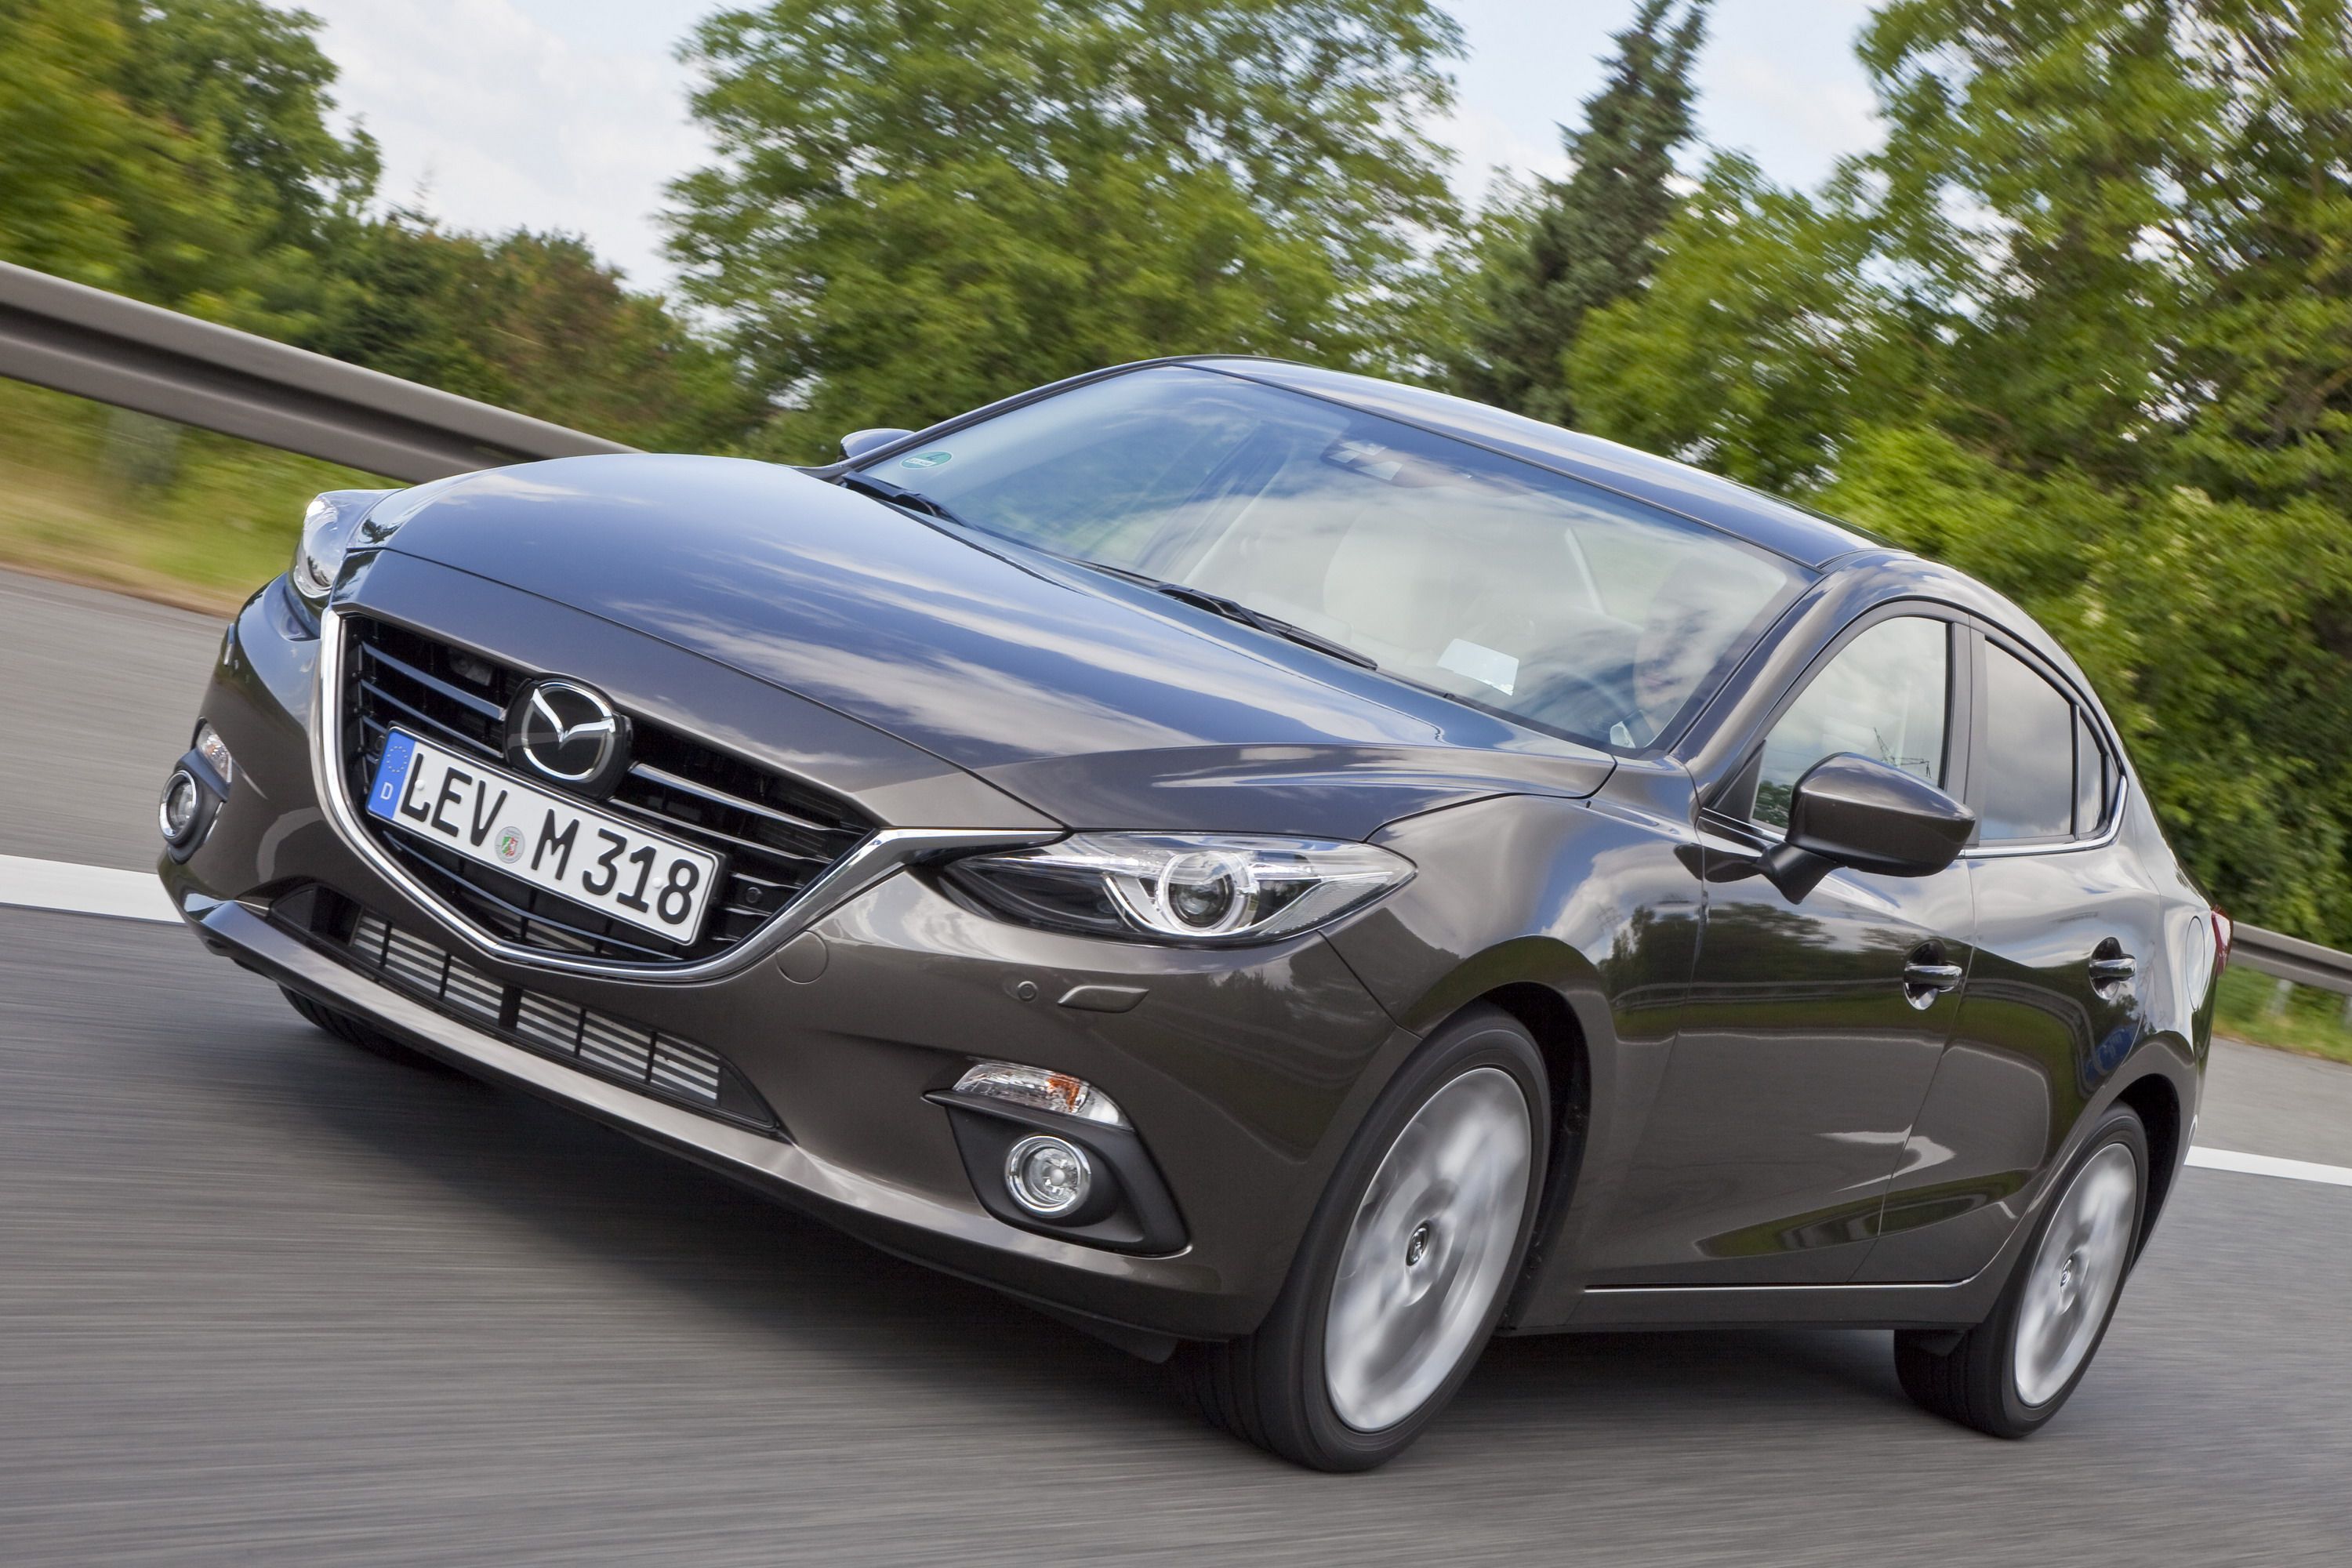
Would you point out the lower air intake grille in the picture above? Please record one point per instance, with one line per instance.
(645, 1059)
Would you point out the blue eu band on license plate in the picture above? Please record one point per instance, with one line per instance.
(552, 841)
(399, 751)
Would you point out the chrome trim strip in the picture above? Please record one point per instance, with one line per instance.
(2105, 837)
(881, 855)
(663, 778)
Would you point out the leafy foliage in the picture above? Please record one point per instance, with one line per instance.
(923, 205)
(2080, 327)
(180, 152)
(1587, 242)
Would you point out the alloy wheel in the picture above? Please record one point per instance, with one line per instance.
(2076, 1274)
(1426, 1251)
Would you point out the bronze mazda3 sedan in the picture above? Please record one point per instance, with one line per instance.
(1291, 873)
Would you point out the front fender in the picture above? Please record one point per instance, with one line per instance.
(1593, 902)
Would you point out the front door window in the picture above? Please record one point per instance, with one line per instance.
(1883, 696)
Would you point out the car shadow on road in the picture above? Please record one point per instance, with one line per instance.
(626, 1206)
(600, 1194)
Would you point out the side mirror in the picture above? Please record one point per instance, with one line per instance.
(858, 443)
(1854, 811)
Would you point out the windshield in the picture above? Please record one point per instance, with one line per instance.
(1479, 576)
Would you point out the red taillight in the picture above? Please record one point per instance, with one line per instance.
(2224, 928)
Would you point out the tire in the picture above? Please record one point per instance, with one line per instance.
(1421, 1232)
(2010, 1374)
(348, 1026)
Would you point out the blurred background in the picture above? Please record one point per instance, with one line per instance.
(2058, 290)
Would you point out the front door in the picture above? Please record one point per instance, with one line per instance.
(1814, 1024)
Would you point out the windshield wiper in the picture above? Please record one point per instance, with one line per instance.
(1235, 610)
(898, 495)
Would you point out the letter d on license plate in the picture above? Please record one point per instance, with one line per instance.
(550, 841)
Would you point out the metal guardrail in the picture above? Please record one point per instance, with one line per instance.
(2291, 958)
(102, 346)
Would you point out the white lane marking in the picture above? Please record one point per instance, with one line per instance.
(2270, 1165)
(138, 896)
(83, 889)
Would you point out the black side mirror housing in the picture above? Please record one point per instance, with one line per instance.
(858, 443)
(1857, 812)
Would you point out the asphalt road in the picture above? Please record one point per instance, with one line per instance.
(264, 1297)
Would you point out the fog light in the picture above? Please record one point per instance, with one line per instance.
(177, 815)
(1047, 1176)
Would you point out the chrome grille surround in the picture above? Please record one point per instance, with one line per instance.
(879, 854)
(647, 1059)
(776, 834)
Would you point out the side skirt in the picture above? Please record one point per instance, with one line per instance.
(1960, 1304)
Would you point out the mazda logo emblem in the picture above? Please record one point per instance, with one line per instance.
(568, 732)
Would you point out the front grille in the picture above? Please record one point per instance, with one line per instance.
(777, 833)
(649, 1060)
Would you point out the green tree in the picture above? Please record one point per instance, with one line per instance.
(918, 206)
(533, 322)
(1759, 341)
(2081, 327)
(249, 83)
(61, 143)
(182, 152)
(1587, 241)
(173, 149)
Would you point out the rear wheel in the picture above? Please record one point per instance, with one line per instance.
(2013, 1372)
(1404, 1269)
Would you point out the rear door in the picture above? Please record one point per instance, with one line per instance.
(1815, 1025)
(2064, 920)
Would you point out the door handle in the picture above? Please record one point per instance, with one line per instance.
(1927, 976)
(2110, 970)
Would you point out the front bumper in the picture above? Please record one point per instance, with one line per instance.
(1243, 1072)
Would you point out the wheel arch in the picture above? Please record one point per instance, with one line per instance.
(2158, 1104)
(1547, 1017)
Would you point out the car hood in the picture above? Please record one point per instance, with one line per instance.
(1096, 701)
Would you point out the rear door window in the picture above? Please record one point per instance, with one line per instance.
(2028, 778)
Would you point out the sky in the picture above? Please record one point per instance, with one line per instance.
(570, 114)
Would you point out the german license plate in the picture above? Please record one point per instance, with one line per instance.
(552, 841)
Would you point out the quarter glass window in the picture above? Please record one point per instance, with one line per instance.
(1884, 696)
(2090, 776)
(2029, 763)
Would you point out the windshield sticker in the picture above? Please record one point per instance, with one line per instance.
(925, 459)
(1482, 663)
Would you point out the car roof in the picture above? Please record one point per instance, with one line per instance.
(1803, 536)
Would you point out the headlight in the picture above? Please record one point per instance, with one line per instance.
(1206, 888)
(328, 529)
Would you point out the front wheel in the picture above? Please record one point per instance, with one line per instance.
(1403, 1270)
(2011, 1372)
(358, 1031)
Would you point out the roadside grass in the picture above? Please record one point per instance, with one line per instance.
(2310, 1023)
(97, 495)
